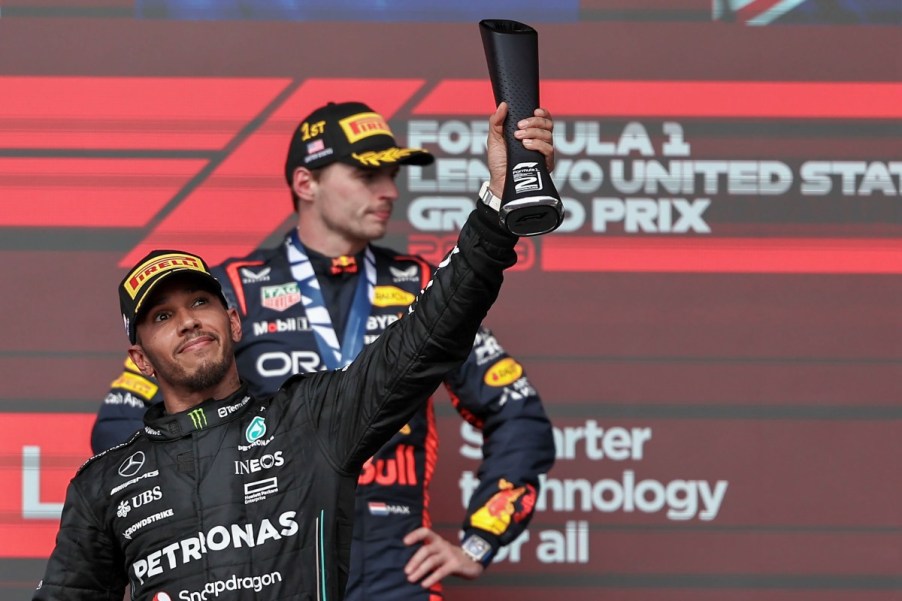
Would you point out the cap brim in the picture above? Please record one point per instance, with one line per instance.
(211, 283)
(393, 155)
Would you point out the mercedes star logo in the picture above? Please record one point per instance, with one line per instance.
(131, 465)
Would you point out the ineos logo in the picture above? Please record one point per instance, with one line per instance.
(131, 465)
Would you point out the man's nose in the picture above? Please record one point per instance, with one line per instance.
(187, 321)
(392, 192)
(389, 188)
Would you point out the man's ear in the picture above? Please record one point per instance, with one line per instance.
(136, 354)
(303, 183)
(234, 324)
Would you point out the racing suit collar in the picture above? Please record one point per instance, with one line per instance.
(158, 425)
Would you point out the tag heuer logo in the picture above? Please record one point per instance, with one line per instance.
(281, 297)
(256, 429)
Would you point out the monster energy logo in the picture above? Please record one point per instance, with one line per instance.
(198, 418)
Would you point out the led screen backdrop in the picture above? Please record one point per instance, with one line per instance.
(714, 329)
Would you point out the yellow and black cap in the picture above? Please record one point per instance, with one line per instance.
(351, 133)
(153, 269)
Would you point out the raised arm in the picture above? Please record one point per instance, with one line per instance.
(377, 393)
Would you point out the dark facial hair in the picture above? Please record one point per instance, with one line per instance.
(209, 374)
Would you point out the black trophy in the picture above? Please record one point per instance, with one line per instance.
(530, 204)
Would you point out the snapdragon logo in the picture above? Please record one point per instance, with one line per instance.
(218, 538)
(212, 590)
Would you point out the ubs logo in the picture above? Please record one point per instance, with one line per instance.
(132, 465)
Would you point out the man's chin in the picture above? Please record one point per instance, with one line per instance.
(376, 231)
(202, 374)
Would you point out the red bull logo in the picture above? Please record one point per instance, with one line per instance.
(400, 469)
(495, 516)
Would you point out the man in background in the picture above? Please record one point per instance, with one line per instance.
(315, 301)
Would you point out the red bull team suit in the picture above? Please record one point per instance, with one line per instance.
(302, 312)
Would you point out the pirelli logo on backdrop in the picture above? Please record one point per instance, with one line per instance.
(160, 264)
(364, 125)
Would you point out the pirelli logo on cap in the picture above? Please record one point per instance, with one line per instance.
(363, 125)
(159, 264)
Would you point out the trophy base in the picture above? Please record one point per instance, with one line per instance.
(532, 216)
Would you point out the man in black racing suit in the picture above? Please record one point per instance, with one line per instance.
(234, 497)
(280, 338)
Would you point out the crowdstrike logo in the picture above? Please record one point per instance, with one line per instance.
(168, 513)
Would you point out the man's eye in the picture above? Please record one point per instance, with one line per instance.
(162, 316)
(200, 301)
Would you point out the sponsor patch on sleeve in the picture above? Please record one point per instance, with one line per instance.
(495, 516)
(503, 373)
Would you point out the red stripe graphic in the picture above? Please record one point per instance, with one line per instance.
(54, 192)
(106, 113)
(249, 187)
(703, 592)
(732, 255)
(147, 113)
(113, 113)
(35, 493)
(734, 99)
